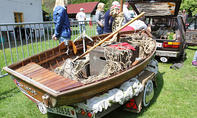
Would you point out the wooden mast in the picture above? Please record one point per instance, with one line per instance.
(121, 5)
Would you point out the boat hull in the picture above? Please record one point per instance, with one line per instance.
(34, 87)
(85, 92)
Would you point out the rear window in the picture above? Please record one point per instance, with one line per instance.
(156, 8)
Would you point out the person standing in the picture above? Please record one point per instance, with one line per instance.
(100, 18)
(127, 13)
(184, 15)
(108, 19)
(81, 17)
(62, 24)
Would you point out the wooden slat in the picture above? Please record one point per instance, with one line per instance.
(52, 80)
(28, 68)
(70, 86)
(46, 77)
(62, 85)
(34, 74)
(58, 82)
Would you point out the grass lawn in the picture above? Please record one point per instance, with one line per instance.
(175, 97)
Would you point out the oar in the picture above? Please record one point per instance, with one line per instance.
(109, 36)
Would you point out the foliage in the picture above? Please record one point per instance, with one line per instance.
(189, 4)
(48, 4)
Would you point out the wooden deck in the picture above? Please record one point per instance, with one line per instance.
(48, 78)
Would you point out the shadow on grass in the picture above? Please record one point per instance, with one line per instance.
(9, 93)
(177, 63)
(119, 113)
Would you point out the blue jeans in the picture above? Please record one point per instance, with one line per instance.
(99, 30)
(195, 56)
(65, 40)
(82, 28)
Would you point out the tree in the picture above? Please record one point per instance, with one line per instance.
(189, 4)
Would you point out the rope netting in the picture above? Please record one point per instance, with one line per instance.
(117, 59)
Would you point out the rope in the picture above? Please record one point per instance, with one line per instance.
(116, 59)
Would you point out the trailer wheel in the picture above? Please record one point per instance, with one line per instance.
(42, 108)
(148, 93)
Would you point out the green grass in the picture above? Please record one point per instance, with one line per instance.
(175, 97)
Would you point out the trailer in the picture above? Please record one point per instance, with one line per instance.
(132, 96)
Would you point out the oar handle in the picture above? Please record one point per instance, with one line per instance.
(110, 35)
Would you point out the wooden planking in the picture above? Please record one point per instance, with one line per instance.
(28, 68)
(77, 84)
(62, 84)
(52, 80)
(46, 77)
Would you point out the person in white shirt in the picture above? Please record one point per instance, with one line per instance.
(127, 14)
(81, 17)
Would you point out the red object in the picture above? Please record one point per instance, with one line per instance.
(89, 7)
(123, 46)
(132, 100)
(131, 104)
(89, 115)
(90, 23)
(135, 107)
(128, 105)
(73, 113)
(83, 112)
(128, 28)
(166, 45)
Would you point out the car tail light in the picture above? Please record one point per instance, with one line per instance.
(171, 44)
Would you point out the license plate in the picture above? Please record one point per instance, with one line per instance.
(159, 45)
(64, 110)
(167, 54)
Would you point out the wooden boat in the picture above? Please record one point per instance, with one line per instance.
(36, 78)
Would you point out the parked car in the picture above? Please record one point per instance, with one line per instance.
(167, 27)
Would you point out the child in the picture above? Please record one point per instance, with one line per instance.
(194, 62)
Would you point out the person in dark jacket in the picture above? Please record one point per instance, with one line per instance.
(62, 23)
(109, 19)
(108, 22)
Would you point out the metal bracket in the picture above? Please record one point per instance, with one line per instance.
(83, 36)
